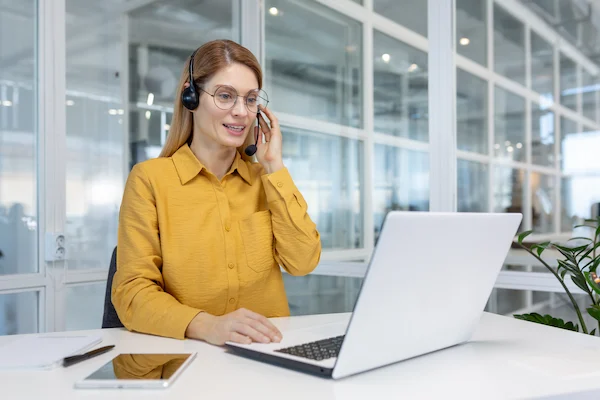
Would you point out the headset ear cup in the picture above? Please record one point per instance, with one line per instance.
(189, 98)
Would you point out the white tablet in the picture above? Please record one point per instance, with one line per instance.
(138, 371)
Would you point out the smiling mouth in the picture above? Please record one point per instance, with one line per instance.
(235, 128)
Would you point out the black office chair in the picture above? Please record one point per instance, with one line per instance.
(110, 319)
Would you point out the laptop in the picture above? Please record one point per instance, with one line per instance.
(425, 289)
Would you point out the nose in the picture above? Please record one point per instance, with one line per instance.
(239, 108)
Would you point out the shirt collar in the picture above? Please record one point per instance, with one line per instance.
(242, 168)
(188, 166)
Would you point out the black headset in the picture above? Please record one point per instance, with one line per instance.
(190, 100)
(189, 96)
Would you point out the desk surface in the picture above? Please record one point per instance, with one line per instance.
(507, 358)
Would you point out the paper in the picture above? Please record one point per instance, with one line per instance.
(43, 352)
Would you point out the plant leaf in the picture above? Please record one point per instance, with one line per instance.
(582, 225)
(580, 238)
(580, 282)
(567, 252)
(595, 265)
(568, 266)
(540, 247)
(548, 320)
(593, 332)
(562, 274)
(523, 236)
(594, 311)
(587, 253)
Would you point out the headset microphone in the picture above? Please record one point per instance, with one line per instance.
(251, 149)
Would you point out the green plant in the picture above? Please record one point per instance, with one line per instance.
(580, 264)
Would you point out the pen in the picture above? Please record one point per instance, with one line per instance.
(67, 361)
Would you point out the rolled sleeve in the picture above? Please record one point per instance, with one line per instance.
(297, 242)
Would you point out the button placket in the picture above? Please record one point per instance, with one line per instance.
(230, 245)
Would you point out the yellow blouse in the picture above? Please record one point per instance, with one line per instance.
(188, 242)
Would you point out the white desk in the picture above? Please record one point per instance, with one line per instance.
(507, 358)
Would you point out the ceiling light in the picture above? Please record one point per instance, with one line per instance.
(112, 111)
(273, 11)
(70, 102)
(385, 57)
(7, 103)
(120, 111)
(464, 41)
(497, 146)
(167, 127)
(413, 67)
(150, 100)
(519, 145)
(507, 143)
(148, 114)
(509, 149)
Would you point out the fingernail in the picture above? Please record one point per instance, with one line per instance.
(266, 339)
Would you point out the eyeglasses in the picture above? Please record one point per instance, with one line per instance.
(225, 98)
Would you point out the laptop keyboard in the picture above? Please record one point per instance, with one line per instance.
(319, 350)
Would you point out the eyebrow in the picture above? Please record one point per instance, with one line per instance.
(239, 91)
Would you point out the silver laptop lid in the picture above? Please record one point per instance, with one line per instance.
(427, 284)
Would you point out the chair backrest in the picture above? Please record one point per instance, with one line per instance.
(110, 319)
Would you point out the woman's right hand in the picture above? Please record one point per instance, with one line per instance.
(240, 326)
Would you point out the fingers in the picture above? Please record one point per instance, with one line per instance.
(275, 333)
(239, 338)
(264, 127)
(272, 118)
(264, 329)
(250, 332)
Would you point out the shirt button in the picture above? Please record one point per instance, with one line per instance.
(279, 184)
(232, 300)
(231, 266)
(227, 227)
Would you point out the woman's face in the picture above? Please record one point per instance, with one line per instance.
(227, 128)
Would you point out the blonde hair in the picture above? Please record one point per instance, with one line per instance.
(208, 59)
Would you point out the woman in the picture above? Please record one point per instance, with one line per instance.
(203, 230)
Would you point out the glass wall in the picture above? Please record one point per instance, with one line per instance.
(400, 182)
(471, 30)
(19, 312)
(18, 139)
(94, 117)
(536, 155)
(160, 37)
(354, 115)
(471, 113)
(335, 198)
(400, 92)
(509, 45)
(313, 58)
(18, 164)
(412, 14)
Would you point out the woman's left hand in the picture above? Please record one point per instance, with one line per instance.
(269, 153)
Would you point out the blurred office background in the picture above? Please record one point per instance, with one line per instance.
(87, 87)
